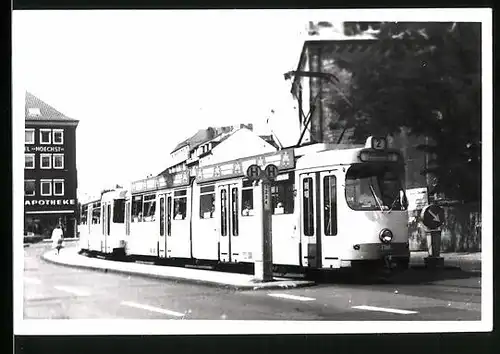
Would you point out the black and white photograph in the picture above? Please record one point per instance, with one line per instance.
(252, 171)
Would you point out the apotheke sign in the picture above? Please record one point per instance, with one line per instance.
(49, 202)
(43, 149)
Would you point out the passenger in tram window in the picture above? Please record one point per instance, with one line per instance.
(212, 209)
(178, 214)
(279, 208)
(247, 208)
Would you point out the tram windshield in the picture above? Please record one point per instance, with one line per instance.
(375, 187)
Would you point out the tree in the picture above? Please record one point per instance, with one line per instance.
(426, 78)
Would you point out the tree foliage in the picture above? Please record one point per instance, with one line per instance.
(425, 77)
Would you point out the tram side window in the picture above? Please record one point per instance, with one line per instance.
(119, 211)
(282, 192)
(149, 207)
(247, 199)
(207, 202)
(234, 215)
(137, 209)
(223, 212)
(180, 205)
(96, 213)
(330, 205)
(83, 217)
(308, 207)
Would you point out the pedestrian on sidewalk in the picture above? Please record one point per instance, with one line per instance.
(57, 238)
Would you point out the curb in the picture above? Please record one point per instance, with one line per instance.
(64, 240)
(256, 286)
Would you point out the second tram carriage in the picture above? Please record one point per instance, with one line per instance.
(332, 208)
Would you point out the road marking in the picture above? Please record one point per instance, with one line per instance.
(383, 309)
(152, 308)
(72, 290)
(293, 297)
(32, 281)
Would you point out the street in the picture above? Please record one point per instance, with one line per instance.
(58, 292)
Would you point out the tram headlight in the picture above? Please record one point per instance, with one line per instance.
(385, 235)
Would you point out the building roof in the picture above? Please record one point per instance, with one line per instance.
(37, 110)
(198, 138)
(203, 136)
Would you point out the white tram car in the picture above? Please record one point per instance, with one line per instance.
(333, 207)
(103, 223)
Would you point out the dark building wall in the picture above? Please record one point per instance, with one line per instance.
(41, 212)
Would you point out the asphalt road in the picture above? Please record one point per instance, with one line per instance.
(58, 292)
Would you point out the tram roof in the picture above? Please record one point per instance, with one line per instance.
(114, 194)
(332, 155)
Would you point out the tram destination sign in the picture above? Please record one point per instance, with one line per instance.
(283, 160)
(163, 181)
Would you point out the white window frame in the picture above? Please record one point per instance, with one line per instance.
(50, 161)
(31, 130)
(54, 131)
(34, 190)
(49, 182)
(32, 158)
(54, 187)
(54, 161)
(50, 137)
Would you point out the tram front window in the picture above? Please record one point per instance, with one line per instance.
(375, 187)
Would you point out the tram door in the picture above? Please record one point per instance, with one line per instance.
(127, 218)
(165, 224)
(310, 242)
(106, 225)
(229, 219)
(330, 248)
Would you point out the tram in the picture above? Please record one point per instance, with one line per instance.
(332, 207)
(103, 223)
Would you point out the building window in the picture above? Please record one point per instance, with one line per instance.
(29, 161)
(29, 136)
(59, 187)
(29, 187)
(57, 136)
(45, 161)
(46, 187)
(45, 136)
(58, 161)
(34, 112)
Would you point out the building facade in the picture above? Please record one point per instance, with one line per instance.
(50, 174)
(188, 153)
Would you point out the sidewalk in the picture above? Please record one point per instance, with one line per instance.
(465, 261)
(70, 257)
